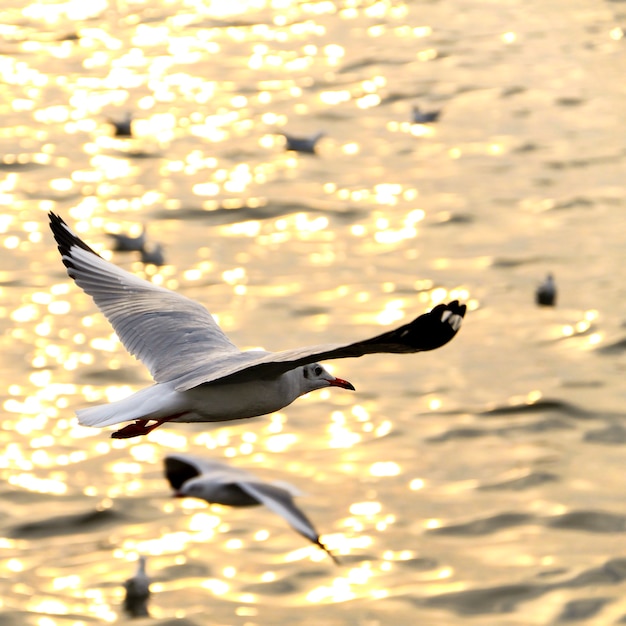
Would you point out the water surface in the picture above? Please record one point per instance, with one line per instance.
(480, 483)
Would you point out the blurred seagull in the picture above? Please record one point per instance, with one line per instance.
(137, 591)
(153, 255)
(424, 117)
(122, 127)
(546, 292)
(126, 243)
(305, 145)
(218, 483)
(200, 375)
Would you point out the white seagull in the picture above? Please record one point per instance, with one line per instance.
(153, 255)
(137, 591)
(306, 145)
(128, 243)
(424, 117)
(218, 483)
(123, 126)
(199, 374)
(545, 295)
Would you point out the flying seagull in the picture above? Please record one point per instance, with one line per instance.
(199, 374)
(218, 483)
(137, 591)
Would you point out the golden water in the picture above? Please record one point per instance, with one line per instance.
(480, 483)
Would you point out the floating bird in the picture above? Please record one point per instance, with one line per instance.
(305, 145)
(127, 243)
(546, 292)
(153, 255)
(123, 127)
(137, 591)
(200, 375)
(218, 483)
(424, 117)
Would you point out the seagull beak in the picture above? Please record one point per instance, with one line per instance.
(340, 382)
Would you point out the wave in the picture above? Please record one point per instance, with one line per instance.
(66, 524)
(560, 406)
(580, 520)
(222, 214)
(505, 598)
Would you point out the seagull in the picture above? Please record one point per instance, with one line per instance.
(123, 127)
(546, 292)
(199, 374)
(218, 483)
(424, 117)
(153, 255)
(127, 243)
(305, 145)
(137, 591)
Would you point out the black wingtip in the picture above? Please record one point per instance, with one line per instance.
(66, 239)
(428, 331)
(178, 472)
(440, 325)
(334, 558)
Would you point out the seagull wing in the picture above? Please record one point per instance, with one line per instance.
(180, 468)
(180, 342)
(171, 334)
(281, 502)
(426, 332)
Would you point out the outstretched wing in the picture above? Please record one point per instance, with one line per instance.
(179, 341)
(426, 332)
(180, 468)
(281, 502)
(171, 334)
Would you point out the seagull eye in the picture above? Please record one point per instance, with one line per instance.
(318, 371)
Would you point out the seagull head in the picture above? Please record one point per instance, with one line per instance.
(197, 487)
(316, 377)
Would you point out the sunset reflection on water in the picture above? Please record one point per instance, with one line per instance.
(478, 480)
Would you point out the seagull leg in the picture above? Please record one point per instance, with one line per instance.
(132, 430)
(140, 427)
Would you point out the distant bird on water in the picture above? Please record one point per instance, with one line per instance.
(424, 117)
(137, 591)
(306, 145)
(123, 126)
(127, 243)
(199, 374)
(218, 483)
(153, 255)
(546, 292)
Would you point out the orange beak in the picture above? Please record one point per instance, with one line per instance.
(340, 382)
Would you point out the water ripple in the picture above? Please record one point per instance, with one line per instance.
(67, 524)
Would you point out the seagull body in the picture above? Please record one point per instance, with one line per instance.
(137, 591)
(128, 243)
(218, 483)
(199, 374)
(305, 145)
(424, 117)
(546, 292)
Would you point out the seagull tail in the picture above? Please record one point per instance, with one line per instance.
(105, 414)
(150, 403)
